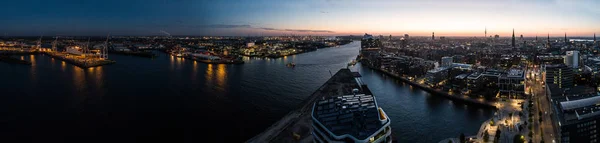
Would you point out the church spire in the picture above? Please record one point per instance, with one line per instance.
(513, 38)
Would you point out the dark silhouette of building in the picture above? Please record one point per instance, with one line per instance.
(513, 38)
(594, 38)
(566, 41)
(432, 35)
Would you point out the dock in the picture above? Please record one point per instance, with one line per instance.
(296, 126)
(82, 63)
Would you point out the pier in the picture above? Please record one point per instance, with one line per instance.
(79, 61)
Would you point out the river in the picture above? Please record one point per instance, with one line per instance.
(177, 100)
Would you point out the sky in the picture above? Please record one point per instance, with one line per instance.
(300, 17)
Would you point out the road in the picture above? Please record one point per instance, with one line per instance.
(545, 129)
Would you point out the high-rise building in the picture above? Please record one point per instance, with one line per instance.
(496, 36)
(536, 38)
(446, 61)
(513, 38)
(560, 75)
(594, 38)
(432, 35)
(485, 33)
(572, 59)
(406, 36)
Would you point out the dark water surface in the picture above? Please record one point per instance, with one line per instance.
(175, 100)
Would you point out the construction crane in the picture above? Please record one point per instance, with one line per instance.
(105, 49)
(54, 44)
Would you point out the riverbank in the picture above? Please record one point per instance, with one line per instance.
(234, 62)
(137, 54)
(303, 51)
(13, 60)
(463, 99)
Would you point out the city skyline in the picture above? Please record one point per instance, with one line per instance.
(311, 17)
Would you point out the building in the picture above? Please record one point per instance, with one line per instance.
(572, 59)
(577, 118)
(446, 61)
(513, 39)
(350, 118)
(512, 84)
(560, 75)
(250, 44)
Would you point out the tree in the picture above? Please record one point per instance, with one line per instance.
(486, 136)
(519, 139)
(462, 137)
(449, 141)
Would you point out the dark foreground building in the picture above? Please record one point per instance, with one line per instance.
(350, 118)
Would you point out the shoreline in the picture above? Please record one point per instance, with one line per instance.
(280, 56)
(436, 92)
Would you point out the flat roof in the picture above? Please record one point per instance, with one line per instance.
(355, 115)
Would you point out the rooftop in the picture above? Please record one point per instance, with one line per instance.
(355, 115)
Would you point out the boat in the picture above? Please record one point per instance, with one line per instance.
(292, 64)
(352, 63)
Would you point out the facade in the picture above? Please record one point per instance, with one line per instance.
(512, 83)
(560, 75)
(350, 118)
(577, 118)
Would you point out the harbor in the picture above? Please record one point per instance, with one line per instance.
(80, 61)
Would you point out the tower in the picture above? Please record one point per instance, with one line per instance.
(536, 37)
(594, 38)
(54, 44)
(485, 33)
(513, 38)
(432, 35)
(566, 41)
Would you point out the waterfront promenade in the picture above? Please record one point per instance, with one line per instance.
(454, 97)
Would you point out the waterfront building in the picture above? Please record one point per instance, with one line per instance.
(436, 76)
(350, 118)
(577, 117)
(559, 74)
(512, 83)
(369, 49)
(572, 59)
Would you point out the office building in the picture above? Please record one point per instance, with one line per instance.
(559, 74)
(512, 84)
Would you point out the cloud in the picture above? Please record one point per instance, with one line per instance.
(298, 30)
(226, 26)
(260, 28)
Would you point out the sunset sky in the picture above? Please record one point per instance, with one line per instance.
(301, 17)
